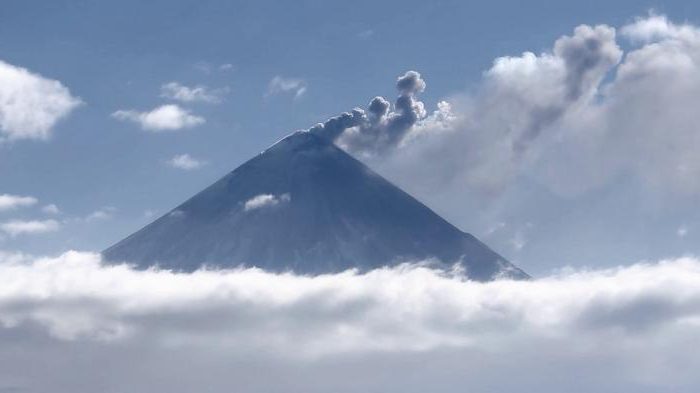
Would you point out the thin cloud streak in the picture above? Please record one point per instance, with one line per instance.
(29, 227)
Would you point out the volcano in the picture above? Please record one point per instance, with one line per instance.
(305, 205)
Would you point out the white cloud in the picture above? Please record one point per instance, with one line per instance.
(31, 105)
(30, 227)
(10, 202)
(572, 119)
(163, 118)
(104, 213)
(626, 329)
(294, 86)
(51, 209)
(682, 231)
(179, 92)
(657, 27)
(186, 162)
(265, 200)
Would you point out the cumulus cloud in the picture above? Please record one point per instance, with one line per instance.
(265, 201)
(163, 118)
(655, 28)
(51, 209)
(29, 227)
(185, 162)
(104, 213)
(179, 92)
(282, 85)
(572, 119)
(10, 202)
(629, 328)
(523, 95)
(30, 104)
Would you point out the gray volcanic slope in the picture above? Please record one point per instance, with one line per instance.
(307, 206)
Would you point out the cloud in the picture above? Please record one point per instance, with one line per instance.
(366, 34)
(380, 127)
(282, 85)
(207, 67)
(11, 202)
(186, 162)
(104, 213)
(571, 119)
(179, 92)
(163, 118)
(31, 105)
(31, 227)
(265, 201)
(51, 209)
(407, 328)
(656, 27)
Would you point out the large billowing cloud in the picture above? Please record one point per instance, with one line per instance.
(573, 118)
(30, 104)
(71, 324)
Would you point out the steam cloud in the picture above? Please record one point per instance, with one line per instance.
(380, 127)
(82, 326)
(579, 105)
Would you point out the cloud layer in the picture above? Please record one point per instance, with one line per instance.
(30, 104)
(621, 328)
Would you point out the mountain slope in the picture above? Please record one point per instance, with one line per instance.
(305, 205)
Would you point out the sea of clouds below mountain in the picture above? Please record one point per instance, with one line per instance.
(72, 323)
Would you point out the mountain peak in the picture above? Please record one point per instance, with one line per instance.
(298, 140)
(305, 205)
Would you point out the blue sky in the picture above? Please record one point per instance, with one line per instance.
(108, 176)
(562, 134)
